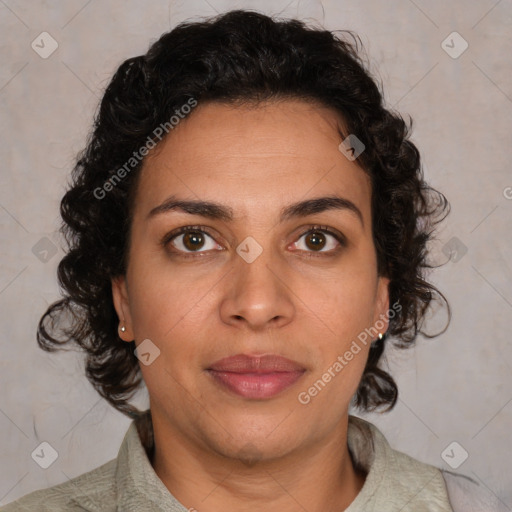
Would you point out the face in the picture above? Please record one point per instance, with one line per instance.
(252, 276)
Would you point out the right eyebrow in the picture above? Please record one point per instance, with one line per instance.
(204, 208)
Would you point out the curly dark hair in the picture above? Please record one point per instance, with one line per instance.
(239, 57)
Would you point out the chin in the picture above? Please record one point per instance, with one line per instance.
(250, 445)
(251, 452)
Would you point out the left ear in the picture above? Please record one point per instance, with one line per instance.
(122, 307)
(381, 315)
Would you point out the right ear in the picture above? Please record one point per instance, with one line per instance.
(122, 305)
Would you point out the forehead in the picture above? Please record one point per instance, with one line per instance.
(263, 155)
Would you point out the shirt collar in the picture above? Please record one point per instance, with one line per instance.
(136, 480)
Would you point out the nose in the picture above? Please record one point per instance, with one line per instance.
(259, 294)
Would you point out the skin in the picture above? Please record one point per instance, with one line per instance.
(216, 451)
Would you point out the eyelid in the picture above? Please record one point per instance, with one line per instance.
(326, 229)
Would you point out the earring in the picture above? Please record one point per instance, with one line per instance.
(374, 342)
(123, 328)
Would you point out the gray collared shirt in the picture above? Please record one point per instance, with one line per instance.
(394, 482)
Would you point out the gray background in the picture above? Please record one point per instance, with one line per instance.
(456, 387)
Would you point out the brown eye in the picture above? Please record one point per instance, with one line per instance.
(322, 240)
(315, 240)
(190, 240)
(193, 240)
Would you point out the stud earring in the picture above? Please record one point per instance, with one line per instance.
(123, 329)
(374, 342)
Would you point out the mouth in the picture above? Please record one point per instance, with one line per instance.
(255, 377)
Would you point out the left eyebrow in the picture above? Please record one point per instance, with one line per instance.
(218, 211)
(321, 204)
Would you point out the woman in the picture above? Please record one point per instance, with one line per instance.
(247, 226)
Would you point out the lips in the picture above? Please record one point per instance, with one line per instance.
(255, 377)
(242, 363)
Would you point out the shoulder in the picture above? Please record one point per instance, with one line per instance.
(394, 481)
(94, 489)
(395, 473)
(468, 495)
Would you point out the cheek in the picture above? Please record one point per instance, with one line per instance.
(341, 349)
(164, 296)
(343, 301)
(341, 342)
(169, 314)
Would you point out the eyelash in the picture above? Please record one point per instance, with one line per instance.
(203, 229)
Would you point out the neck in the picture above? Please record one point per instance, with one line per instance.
(320, 477)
